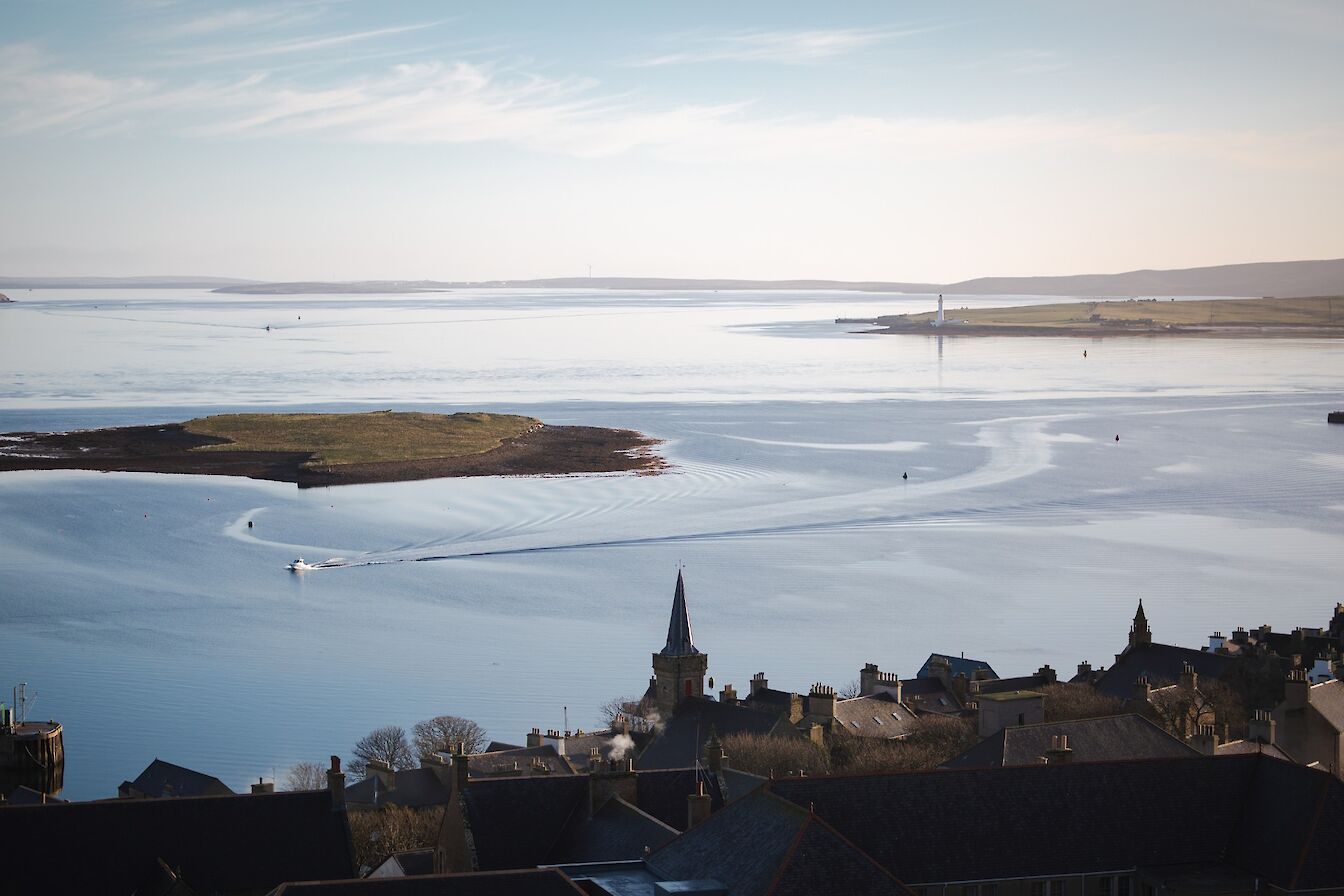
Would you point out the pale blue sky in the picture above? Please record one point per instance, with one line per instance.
(330, 140)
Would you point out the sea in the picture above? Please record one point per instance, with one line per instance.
(833, 497)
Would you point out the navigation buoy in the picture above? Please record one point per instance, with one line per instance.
(249, 524)
(905, 475)
(1117, 438)
(1084, 353)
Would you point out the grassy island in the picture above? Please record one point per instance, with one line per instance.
(1312, 317)
(338, 449)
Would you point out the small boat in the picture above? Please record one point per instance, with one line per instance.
(299, 566)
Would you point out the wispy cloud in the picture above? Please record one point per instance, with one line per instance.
(244, 18)
(463, 102)
(253, 49)
(792, 47)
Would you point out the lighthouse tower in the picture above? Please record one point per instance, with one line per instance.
(938, 321)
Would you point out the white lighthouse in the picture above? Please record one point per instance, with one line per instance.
(938, 321)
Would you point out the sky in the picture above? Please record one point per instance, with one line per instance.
(330, 140)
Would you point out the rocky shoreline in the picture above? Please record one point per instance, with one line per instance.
(168, 448)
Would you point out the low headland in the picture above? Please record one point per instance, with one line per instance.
(1315, 316)
(339, 449)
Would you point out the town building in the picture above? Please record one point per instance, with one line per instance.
(161, 779)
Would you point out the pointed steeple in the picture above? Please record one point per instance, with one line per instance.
(1139, 633)
(679, 641)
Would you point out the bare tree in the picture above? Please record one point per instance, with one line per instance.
(851, 690)
(617, 707)
(1079, 701)
(387, 744)
(780, 756)
(378, 833)
(935, 741)
(306, 776)
(442, 733)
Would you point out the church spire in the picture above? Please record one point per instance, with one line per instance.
(679, 641)
(1139, 633)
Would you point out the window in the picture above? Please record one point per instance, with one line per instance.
(877, 720)
(1038, 888)
(1047, 888)
(1105, 886)
(1056, 888)
(1021, 719)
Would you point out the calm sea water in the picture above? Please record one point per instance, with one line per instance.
(153, 622)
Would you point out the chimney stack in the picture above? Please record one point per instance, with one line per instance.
(714, 754)
(728, 695)
(1143, 691)
(1085, 670)
(461, 771)
(1205, 741)
(821, 702)
(614, 778)
(263, 786)
(1217, 643)
(336, 785)
(1060, 752)
(534, 737)
(758, 683)
(698, 806)
(1296, 690)
(1189, 680)
(1261, 727)
(382, 772)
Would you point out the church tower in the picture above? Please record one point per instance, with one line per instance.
(678, 669)
(1139, 635)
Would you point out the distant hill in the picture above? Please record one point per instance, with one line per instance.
(1273, 278)
(1277, 278)
(120, 282)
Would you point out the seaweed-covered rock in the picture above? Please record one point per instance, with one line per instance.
(1335, 417)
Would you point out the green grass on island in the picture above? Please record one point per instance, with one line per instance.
(380, 436)
(1322, 313)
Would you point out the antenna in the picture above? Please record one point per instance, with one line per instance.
(566, 728)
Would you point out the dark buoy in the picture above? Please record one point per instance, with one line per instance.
(1084, 353)
(1117, 438)
(249, 524)
(905, 475)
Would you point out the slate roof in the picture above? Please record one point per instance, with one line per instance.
(929, 695)
(1020, 683)
(1280, 821)
(23, 795)
(410, 863)
(662, 792)
(529, 882)
(957, 665)
(1162, 663)
(1233, 747)
(679, 641)
(766, 845)
(684, 736)
(165, 779)
(502, 762)
(220, 844)
(516, 821)
(1091, 740)
(740, 783)
(415, 788)
(1328, 700)
(528, 821)
(877, 716)
(617, 832)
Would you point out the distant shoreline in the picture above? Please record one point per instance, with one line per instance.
(171, 448)
(1312, 316)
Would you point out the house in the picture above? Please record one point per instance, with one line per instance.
(232, 844)
(410, 863)
(929, 695)
(1159, 664)
(1080, 740)
(1255, 823)
(1310, 722)
(610, 813)
(160, 779)
(411, 788)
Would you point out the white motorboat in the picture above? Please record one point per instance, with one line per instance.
(299, 566)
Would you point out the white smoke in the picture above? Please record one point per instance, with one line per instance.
(620, 745)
